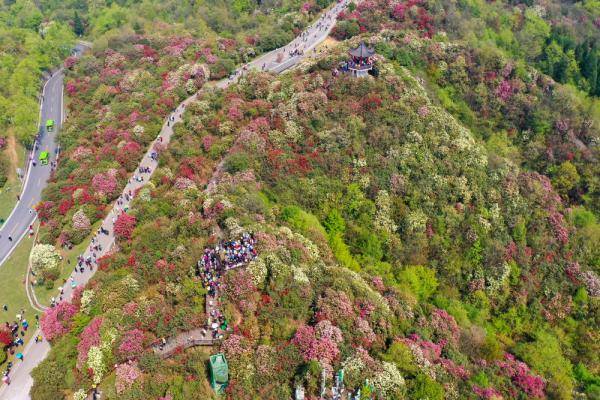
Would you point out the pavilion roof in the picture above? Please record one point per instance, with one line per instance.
(362, 51)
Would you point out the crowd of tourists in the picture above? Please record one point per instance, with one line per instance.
(18, 329)
(214, 262)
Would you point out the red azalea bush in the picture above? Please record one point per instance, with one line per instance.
(124, 226)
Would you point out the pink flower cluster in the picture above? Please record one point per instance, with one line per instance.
(239, 285)
(127, 373)
(178, 46)
(591, 282)
(313, 347)
(70, 62)
(557, 222)
(504, 91)
(234, 346)
(105, 182)
(132, 344)
(207, 142)
(335, 306)
(80, 153)
(557, 308)
(378, 283)
(56, 321)
(88, 338)
(458, 371)
(445, 325)
(433, 353)
(519, 372)
(487, 393)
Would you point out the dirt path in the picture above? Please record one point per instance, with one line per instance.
(13, 156)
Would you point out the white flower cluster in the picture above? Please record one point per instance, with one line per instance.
(80, 395)
(389, 381)
(138, 131)
(130, 284)
(258, 271)
(299, 275)
(416, 221)
(383, 218)
(234, 228)
(86, 300)
(43, 257)
(292, 131)
(494, 284)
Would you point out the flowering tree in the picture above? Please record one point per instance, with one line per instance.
(5, 337)
(124, 226)
(44, 257)
(88, 338)
(105, 182)
(127, 373)
(80, 221)
(131, 345)
(96, 363)
(322, 349)
(388, 383)
(56, 321)
(519, 372)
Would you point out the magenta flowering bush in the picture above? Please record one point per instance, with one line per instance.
(127, 374)
(533, 385)
(105, 182)
(90, 336)
(315, 347)
(132, 344)
(56, 321)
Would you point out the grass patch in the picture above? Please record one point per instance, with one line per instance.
(16, 154)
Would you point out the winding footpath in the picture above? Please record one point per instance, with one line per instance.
(275, 61)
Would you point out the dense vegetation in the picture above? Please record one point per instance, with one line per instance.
(29, 46)
(120, 95)
(433, 230)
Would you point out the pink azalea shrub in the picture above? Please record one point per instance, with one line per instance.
(88, 338)
(234, 346)
(126, 374)
(132, 344)
(487, 393)
(56, 321)
(314, 347)
(518, 371)
(105, 182)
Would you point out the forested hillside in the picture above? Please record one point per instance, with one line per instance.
(29, 45)
(432, 230)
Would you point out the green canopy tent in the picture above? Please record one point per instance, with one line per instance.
(219, 372)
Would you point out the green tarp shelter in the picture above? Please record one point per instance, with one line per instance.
(219, 372)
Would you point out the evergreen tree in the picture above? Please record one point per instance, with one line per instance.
(78, 26)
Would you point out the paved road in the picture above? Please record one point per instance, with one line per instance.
(275, 61)
(23, 215)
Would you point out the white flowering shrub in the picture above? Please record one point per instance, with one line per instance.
(44, 258)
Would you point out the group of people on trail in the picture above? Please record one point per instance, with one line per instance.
(238, 252)
(17, 329)
(214, 262)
